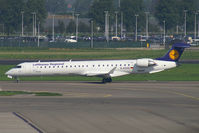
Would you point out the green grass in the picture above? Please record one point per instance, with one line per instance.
(185, 72)
(13, 93)
(47, 94)
(65, 54)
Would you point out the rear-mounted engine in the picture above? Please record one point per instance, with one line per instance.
(145, 62)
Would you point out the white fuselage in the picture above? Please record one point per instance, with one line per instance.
(101, 68)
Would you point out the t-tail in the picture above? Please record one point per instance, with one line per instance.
(175, 52)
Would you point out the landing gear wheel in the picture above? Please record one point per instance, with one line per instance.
(17, 79)
(104, 80)
(107, 80)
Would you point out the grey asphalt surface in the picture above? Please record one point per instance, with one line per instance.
(89, 107)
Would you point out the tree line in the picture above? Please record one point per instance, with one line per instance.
(11, 13)
(172, 11)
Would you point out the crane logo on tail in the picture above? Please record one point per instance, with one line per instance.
(174, 54)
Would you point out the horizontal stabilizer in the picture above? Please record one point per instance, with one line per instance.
(156, 71)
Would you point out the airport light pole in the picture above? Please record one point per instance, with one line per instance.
(77, 26)
(147, 25)
(177, 29)
(119, 3)
(116, 23)
(107, 26)
(185, 23)
(33, 24)
(3, 28)
(92, 34)
(195, 26)
(73, 14)
(122, 19)
(136, 27)
(198, 24)
(53, 29)
(198, 27)
(164, 39)
(22, 30)
(38, 34)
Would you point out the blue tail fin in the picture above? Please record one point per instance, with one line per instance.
(175, 52)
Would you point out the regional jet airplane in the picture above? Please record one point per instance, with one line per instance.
(101, 68)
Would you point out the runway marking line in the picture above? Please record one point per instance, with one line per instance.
(86, 94)
(185, 95)
(20, 116)
(108, 95)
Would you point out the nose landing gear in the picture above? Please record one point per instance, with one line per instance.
(17, 79)
(106, 80)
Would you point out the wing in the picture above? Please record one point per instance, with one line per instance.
(100, 73)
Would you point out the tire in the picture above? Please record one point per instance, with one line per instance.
(104, 80)
(110, 80)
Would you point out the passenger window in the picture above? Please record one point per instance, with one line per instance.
(86, 65)
(93, 65)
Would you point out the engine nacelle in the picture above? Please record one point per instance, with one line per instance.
(145, 62)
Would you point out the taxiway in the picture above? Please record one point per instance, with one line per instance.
(89, 107)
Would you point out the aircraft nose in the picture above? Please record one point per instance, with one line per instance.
(8, 72)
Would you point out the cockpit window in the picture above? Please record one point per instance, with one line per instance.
(18, 67)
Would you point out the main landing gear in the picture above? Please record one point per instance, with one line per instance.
(17, 79)
(106, 80)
